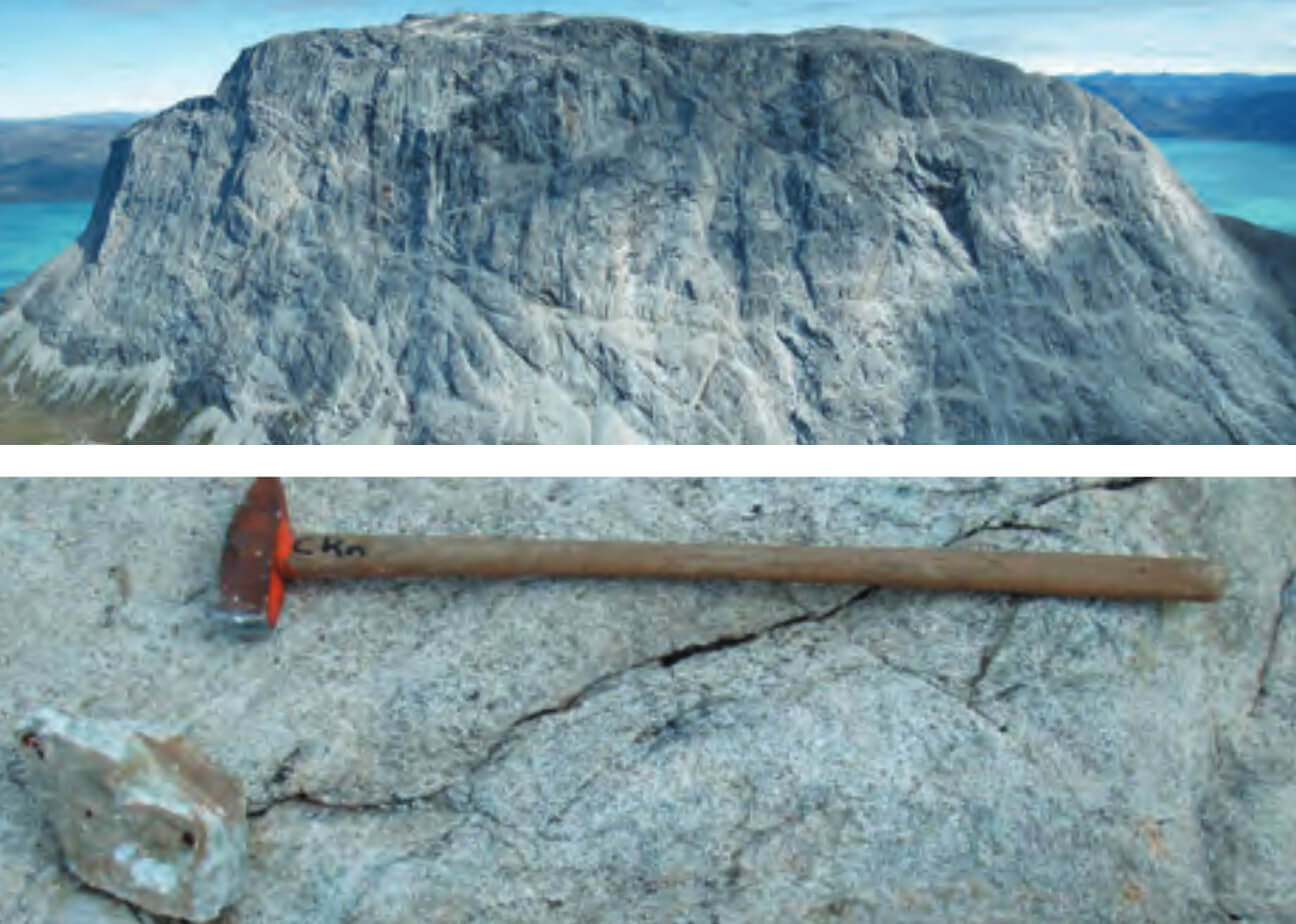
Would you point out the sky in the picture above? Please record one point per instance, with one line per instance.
(73, 56)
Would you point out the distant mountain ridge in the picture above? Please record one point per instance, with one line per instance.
(1240, 107)
(59, 158)
(112, 118)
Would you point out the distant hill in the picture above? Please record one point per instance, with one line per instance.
(58, 158)
(1243, 107)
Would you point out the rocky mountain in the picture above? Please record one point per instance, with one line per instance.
(549, 750)
(534, 228)
(1252, 107)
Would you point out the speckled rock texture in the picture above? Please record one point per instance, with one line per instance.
(139, 812)
(540, 229)
(548, 750)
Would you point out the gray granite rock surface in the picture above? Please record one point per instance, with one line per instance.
(539, 229)
(547, 750)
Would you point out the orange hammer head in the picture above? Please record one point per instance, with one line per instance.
(254, 561)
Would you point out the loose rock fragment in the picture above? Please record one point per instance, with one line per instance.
(139, 813)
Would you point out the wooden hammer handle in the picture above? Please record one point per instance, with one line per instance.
(1044, 573)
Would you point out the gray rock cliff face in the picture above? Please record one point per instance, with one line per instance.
(549, 750)
(531, 228)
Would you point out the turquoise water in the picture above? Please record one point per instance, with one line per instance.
(1252, 180)
(1249, 179)
(33, 232)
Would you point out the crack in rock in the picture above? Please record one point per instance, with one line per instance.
(1006, 692)
(1005, 525)
(1286, 598)
(1010, 523)
(287, 766)
(967, 703)
(385, 806)
(671, 658)
(1107, 484)
(988, 655)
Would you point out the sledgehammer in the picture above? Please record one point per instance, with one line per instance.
(261, 553)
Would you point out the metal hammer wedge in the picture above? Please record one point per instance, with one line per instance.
(261, 553)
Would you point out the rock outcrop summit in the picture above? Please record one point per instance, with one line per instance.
(482, 228)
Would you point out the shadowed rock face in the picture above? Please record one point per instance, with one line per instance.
(503, 228)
